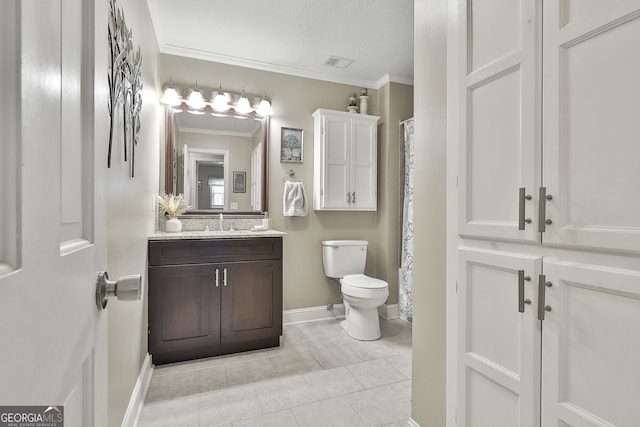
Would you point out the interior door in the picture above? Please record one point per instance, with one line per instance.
(591, 346)
(499, 100)
(591, 105)
(53, 335)
(498, 340)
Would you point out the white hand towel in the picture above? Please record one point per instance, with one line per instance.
(294, 199)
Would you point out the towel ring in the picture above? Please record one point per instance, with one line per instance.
(286, 176)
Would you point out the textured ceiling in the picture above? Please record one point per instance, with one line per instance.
(293, 36)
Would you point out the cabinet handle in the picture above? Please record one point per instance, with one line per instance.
(542, 209)
(348, 198)
(353, 197)
(542, 284)
(522, 196)
(224, 276)
(521, 301)
(217, 283)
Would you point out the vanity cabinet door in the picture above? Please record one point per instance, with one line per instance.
(251, 301)
(184, 314)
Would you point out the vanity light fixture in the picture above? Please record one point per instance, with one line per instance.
(195, 99)
(170, 96)
(264, 109)
(242, 103)
(220, 101)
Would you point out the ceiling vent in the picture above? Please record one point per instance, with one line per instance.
(336, 61)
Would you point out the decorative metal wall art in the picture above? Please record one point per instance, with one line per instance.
(124, 84)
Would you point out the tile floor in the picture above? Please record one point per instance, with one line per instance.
(319, 376)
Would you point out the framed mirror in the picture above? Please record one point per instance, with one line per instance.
(218, 160)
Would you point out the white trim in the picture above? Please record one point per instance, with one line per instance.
(412, 423)
(388, 78)
(136, 403)
(264, 66)
(312, 314)
(389, 311)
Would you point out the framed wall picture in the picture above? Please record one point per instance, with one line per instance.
(291, 145)
(239, 182)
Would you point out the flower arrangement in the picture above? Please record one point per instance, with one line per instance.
(172, 205)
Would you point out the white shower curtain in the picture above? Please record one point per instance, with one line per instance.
(405, 298)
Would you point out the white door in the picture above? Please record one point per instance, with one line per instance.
(498, 340)
(591, 346)
(591, 133)
(363, 175)
(53, 336)
(499, 119)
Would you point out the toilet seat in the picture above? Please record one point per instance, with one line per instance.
(363, 282)
(364, 287)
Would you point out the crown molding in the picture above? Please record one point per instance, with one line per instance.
(171, 49)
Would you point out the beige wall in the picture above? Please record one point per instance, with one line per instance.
(294, 99)
(130, 219)
(429, 296)
(396, 104)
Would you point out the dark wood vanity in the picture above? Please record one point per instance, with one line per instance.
(213, 296)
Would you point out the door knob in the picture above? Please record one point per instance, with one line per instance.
(126, 288)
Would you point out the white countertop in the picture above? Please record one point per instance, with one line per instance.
(237, 234)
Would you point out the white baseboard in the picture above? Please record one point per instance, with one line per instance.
(412, 423)
(312, 314)
(136, 403)
(389, 311)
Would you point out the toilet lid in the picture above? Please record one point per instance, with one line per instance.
(365, 282)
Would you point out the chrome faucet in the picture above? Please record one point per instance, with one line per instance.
(220, 222)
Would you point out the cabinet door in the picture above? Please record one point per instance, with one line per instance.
(498, 340)
(363, 174)
(335, 176)
(591, 132)
(498, 118)
(183, 308)
(251, 306)
(591, 347)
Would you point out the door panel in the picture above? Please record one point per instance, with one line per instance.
(498, 345)
(592, 95)
(500, 90)
(251, 303)
(591, 346)
(336, 177)
(364, 161)
(183, 307)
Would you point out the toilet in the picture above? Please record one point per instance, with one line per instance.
(362, 295)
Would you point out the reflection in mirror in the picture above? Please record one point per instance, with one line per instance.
(218, 161)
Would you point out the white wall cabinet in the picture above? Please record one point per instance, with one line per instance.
(345, 161)
(548, 105)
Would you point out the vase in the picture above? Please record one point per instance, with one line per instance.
(352, 109)
(174, 225)
(363, 104)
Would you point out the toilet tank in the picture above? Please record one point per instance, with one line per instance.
(342, 257)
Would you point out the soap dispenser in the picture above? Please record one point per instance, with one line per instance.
(265, 221)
